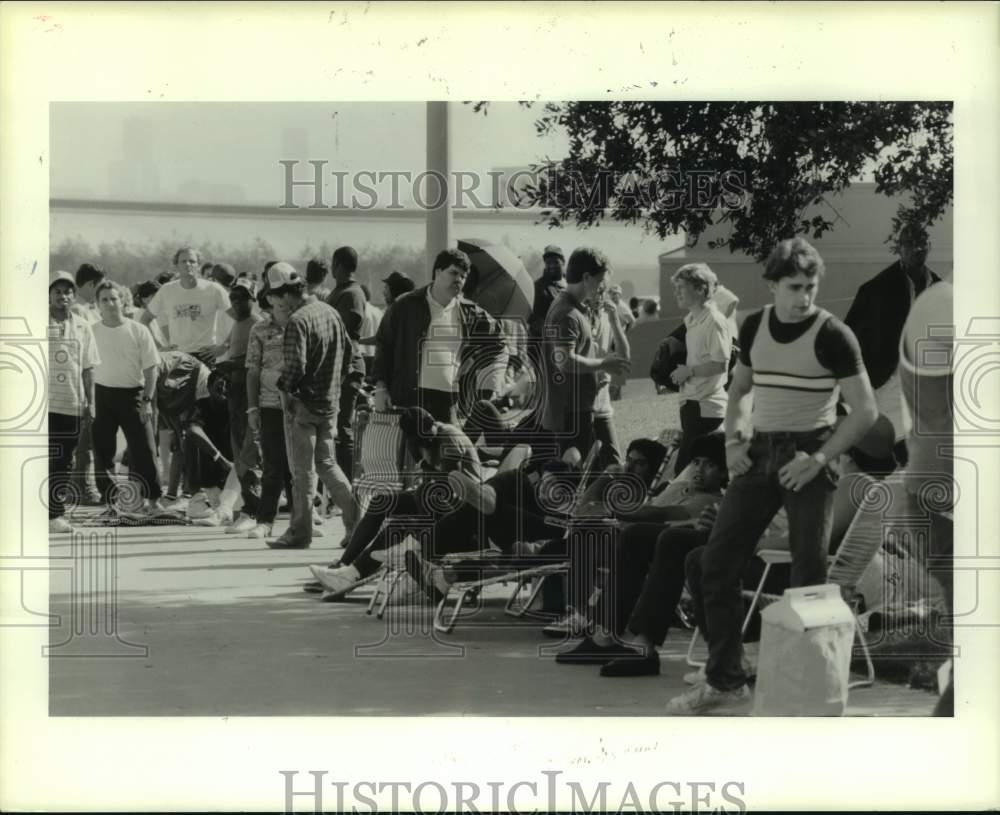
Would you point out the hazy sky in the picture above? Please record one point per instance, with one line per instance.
(228, 152)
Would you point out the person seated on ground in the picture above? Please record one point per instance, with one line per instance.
(625, 560)
(440, 450)
(678, 549)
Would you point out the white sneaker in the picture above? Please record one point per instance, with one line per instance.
(695, 677)
(317, 518)
(59, 526)
(244, 523)
(703, 698)
(214, 518)
(573, 624)
(260, 531)
(199, 507)
(395, 556)
(337, 582)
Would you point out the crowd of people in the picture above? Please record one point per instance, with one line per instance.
(232, 391)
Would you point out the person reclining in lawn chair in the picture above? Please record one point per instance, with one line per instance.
(444, 453)
(601, 573)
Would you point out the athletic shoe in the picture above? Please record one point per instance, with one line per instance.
(59, 526)
(704, 698)
(243, 523)
(394, 556)
(317, 518)
(214, 518)
(636, 665)
(337, 582)
(199, 506)
(588, 652)
(287, 542)
(430, 578)
(695, 677)
(260, 531)
(573, 624)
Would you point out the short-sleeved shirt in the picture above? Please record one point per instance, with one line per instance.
(193, 317)
(568, 392)
(72, 350)
(265, 355)
(369, 327)
(600, 324)
(707, 340)
(88, 311)
(125, 351)
(836, 346)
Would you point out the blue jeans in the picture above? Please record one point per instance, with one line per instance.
(750, 503)
(310, 439)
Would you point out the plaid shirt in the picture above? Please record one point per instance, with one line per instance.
(317, 355)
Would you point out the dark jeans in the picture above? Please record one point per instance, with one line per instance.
(660, 592)
(344, 444)
(692, 426)
(604, 431)
(440, 404)
(123, 408)
(745, 512)
(64, 431)
(275, 464)
(245, 450)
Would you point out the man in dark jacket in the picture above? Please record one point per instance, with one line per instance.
(435, 349)
(547, 288)
(877, 316)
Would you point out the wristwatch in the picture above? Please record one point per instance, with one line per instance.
(819, 457)
(147, 399)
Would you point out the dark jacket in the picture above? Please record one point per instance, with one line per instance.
(405, 325)
(877, 316)
(546, 291)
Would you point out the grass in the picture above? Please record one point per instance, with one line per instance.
(641, 413)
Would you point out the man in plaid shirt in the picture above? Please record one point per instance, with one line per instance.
(317, 354)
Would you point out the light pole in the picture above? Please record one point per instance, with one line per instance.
(437, 189)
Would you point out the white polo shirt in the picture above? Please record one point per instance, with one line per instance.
(440, 350)
(708, 340)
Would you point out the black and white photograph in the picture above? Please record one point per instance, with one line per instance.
(620, 410)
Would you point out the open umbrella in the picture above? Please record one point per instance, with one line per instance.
(498, 280)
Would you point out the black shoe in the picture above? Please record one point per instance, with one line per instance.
(313, 587)
(588, 652)
(635, 665)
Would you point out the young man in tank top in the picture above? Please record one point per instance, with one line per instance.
(795, 359)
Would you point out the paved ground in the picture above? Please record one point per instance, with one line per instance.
(210, 624)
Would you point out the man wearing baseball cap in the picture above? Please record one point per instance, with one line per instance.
(317, 358)
(396, 285)
(548, 287)
(72, 359)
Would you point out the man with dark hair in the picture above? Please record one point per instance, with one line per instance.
(317, 355)
(548, 287)
(88, 277)
(395, 286)
(191, 310)
(877, 316)
(124, 393)
(72, 358)
(317, 271)
(433, 343)
(349, 301)
(572, 367)
(794, 358)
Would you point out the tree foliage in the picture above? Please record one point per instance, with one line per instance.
(754, 166)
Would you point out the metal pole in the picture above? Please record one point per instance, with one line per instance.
(437, 189)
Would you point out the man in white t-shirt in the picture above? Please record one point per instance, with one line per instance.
(125, 386)
(191, 310)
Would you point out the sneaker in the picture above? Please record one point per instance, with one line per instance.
(211, 519)
(199, 506)
(704, 698)
(337, 582)
(573, 624)
(395, 556)
(317, 518)
(695, 677)
(243, 523)
(287, 542)
(260, 531)
(429, 577)
(59, 526)
(333, 511)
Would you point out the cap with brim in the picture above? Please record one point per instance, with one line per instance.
(552, 249)
(61, 277)
(245, 283)
(281, 275)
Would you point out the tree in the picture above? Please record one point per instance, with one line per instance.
(756, 166)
